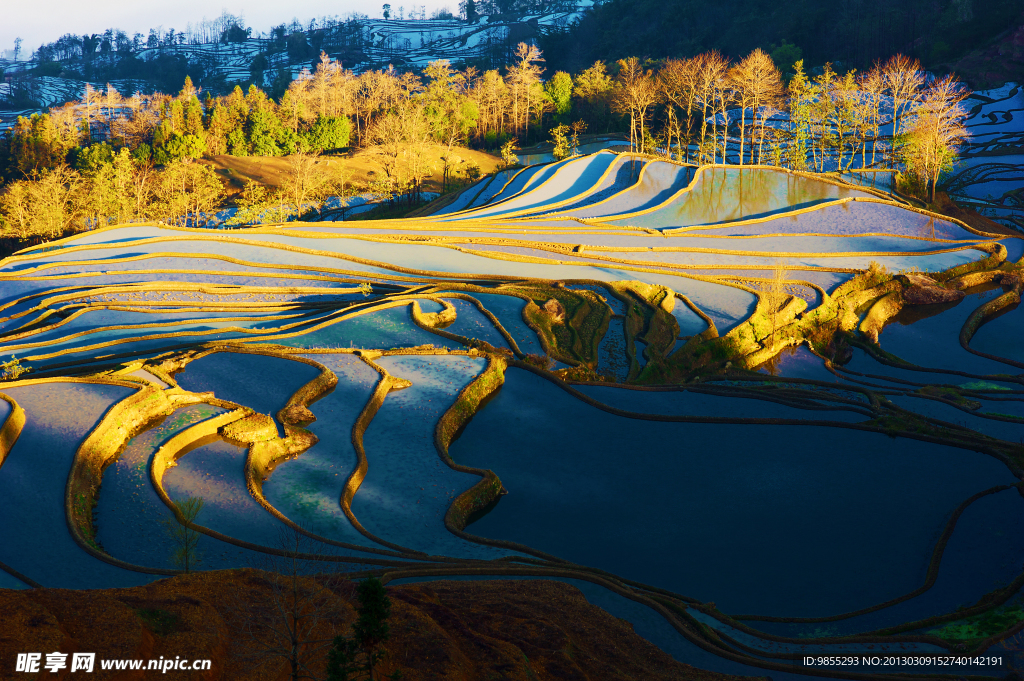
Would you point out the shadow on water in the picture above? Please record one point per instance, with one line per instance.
(34, 539)
(262, 383)
(760, 519)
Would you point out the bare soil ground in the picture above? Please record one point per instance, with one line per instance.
(943, 204)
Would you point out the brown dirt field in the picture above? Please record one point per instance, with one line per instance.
(272, 170)
(537, 630)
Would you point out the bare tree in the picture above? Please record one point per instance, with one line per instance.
(321, 84)
(871, 84)
(90, 98)
(183, 533)
(188, 191)
(523, 75)
(711, 70)
(387, 139)
(741, 79)
(491, 95)
(417, 152)
(846, 117)
(309, 183)
(67, 122)
(47, 205)
(774, 294)
(904, 78)
(302, 617)
(766, 89)
(725, 95)
(136, 124)
(111, 100)
(635, 94)
(823, 114)
(677, 80)
(378, 92)
(445, 104)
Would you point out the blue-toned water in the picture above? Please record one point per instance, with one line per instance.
(261, 383)
(34, 537)
(408, 488)
(759, 519)
(727, 194)
(390, 328)
(655, 183)
(509, 311)
(472, 323)
(576, 177)
(308, 488)
(1002, 336)
(131, 518)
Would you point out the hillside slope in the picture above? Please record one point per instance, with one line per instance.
(855, 32)
(455, 631)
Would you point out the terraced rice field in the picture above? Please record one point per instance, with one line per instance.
(760, 414)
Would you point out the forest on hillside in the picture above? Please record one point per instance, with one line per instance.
(853, 33)
(223, 52)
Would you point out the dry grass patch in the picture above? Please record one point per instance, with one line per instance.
(273, 171)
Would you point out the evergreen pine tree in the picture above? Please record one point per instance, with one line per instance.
(369, 633)
(341, 660)
(371, 629)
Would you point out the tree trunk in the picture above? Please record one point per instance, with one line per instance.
(743, 131)
(725, 136)
(701, 153)
(668, 139)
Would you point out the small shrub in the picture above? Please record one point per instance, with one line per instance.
(581, 373)
(540, 361)
(877, 274)
(912, 184)
(508, 154)
(160, 622)
(560, 141)
(10, 371)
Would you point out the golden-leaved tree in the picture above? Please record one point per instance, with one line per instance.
(187, 193)
(49, 204)
(758, 87)
(937, 132)
(635, 94)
